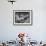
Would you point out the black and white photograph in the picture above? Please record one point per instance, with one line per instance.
(22, 16)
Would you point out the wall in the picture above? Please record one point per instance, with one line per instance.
(37, 31)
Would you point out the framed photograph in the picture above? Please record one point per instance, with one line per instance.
(22, 17)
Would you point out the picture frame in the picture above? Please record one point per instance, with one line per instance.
(22, 17)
